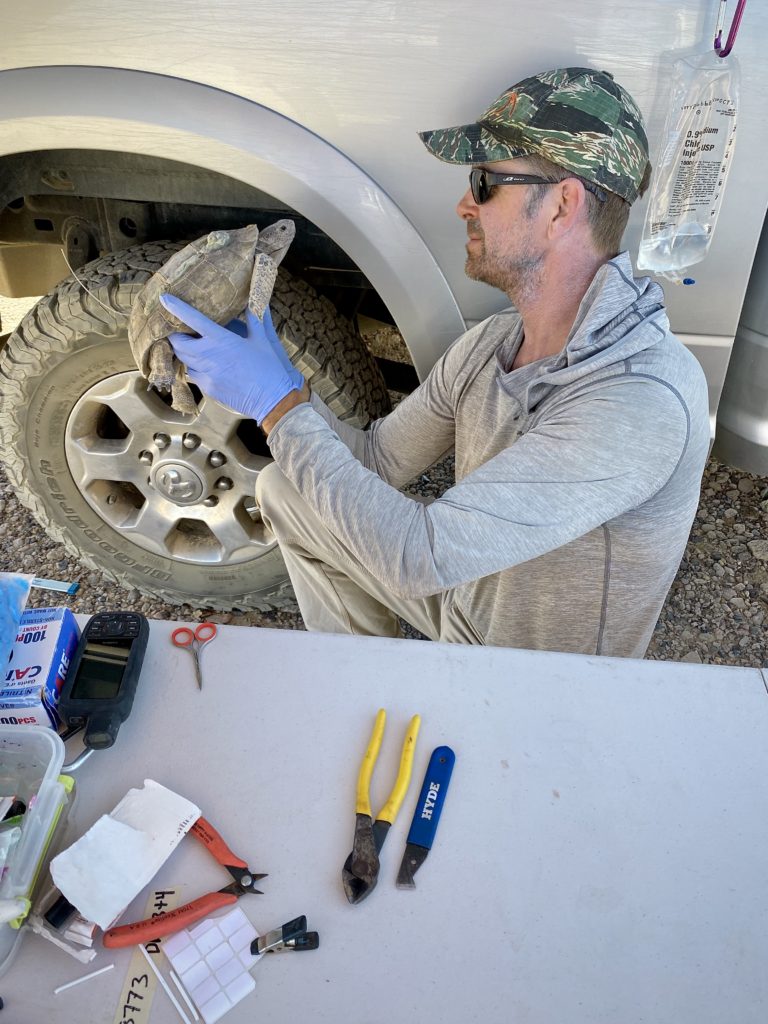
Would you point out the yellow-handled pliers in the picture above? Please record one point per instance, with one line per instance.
(361, 868)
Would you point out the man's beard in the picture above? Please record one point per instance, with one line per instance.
(518, 273)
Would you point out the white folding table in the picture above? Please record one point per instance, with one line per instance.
(601, 858)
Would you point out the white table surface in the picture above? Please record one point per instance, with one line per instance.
(602, 857)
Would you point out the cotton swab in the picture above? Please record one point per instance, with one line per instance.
(165, 985)
(85, 977)
(183, 993)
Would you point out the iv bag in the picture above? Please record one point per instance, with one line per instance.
(690, 179)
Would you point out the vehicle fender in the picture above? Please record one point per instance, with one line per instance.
(158, 115)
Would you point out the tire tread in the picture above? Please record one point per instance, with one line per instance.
(332, 357)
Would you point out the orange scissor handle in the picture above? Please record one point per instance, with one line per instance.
(166, 924)
(182, 637)
(185, 637)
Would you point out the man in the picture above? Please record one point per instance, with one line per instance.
(580, 424)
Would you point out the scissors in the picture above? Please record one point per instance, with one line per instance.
(194, 641)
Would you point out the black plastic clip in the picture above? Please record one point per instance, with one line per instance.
(290, 936)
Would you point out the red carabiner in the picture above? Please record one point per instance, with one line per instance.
(720, 50)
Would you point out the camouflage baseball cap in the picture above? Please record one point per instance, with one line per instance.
(578, 118)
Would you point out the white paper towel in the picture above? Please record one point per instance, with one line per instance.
(109, 866)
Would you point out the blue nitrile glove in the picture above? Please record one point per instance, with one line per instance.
(250, 374)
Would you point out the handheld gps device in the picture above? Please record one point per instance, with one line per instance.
(101, 682)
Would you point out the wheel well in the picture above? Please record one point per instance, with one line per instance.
(92, 202)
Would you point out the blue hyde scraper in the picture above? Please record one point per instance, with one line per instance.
(427, 815)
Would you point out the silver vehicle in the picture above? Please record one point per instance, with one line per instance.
(127, 130)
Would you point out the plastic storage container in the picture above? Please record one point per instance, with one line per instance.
(30, 763)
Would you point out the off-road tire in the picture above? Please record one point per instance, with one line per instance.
(75, 337)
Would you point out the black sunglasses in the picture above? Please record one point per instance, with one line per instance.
(481, 183)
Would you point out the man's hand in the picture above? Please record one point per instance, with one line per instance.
(250, 374)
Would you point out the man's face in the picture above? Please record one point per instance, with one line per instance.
(505, 243)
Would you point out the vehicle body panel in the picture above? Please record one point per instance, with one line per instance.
(320, 105)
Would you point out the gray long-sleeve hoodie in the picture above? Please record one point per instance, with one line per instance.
(577, 476)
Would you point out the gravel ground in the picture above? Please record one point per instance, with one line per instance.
(715, 612)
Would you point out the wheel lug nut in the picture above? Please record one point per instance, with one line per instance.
(211, 502)
(217, 459)
(161, 440)
(190, 441)
(223, 484)
(146, 458)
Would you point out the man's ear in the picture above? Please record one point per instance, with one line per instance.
(568, 205)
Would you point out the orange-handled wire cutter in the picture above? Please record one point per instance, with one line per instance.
(174, 920)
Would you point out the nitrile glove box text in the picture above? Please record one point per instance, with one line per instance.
(41, 656)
